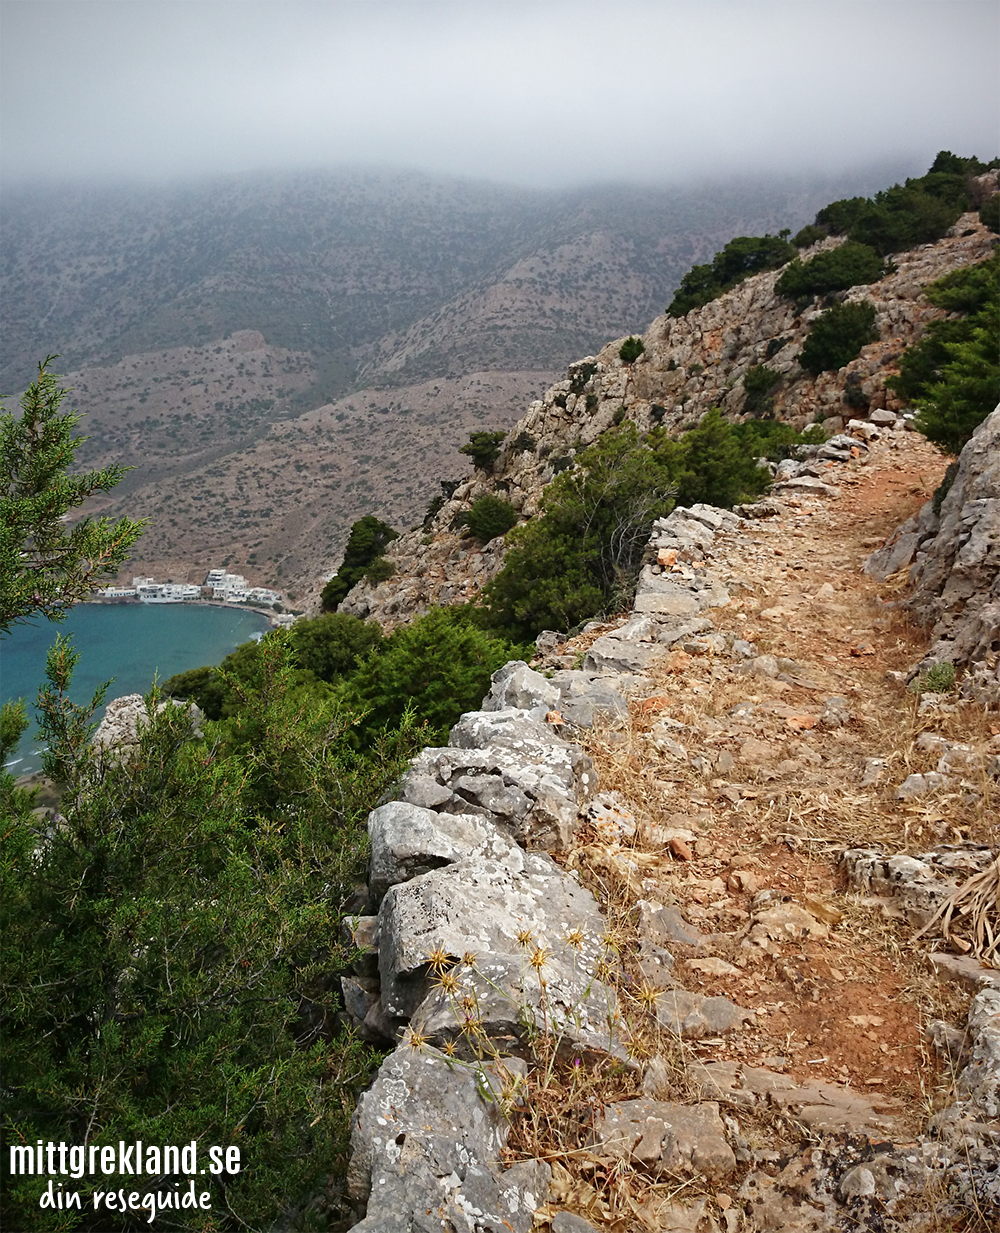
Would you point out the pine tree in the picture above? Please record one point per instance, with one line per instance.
(46, 566)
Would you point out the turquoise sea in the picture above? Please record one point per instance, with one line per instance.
(130, 642)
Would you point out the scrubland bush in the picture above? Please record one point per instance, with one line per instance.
(631, 349)
(489, 517)
(483, 448)
(989, 212)
(836, 269)
(837, 336)
(368, 539)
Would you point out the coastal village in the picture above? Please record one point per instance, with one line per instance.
(218, 586)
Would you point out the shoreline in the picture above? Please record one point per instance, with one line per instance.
(272, 616)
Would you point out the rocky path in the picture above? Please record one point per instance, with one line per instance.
(763, 747)
(687, 993)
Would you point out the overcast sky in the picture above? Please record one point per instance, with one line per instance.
(544, 93)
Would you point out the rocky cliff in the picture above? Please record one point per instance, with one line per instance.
(689, 365)
(953, 550)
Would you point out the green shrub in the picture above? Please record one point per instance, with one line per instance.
(436, 667)
(714, 463)
(952, 374)
(921, 363)
(320, 652)
(837, 336)
(586, 548)
(489, 517)
(631, 349)
(917, 212)
(434, 507)
(200, 685)
(330, 646)
(989, 212)
(836, 269)
(368, 538)
(379, 570)
(523, 443)
(838, 217)
(758, 384)
(774, 440)
(937, 679)
(739, 259)
(965, 393)
(971, 289)
(810, 234)
(189, 910)
(903, 217)
(582, 556)
(579, 377)
(483, 448)
(853, 395)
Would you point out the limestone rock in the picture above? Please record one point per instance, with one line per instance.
(957, 579)
(480, 907)
(407, 841)
(126, 716)
(693, 1016)
(666, 1138)
(512, 766)
(425, 1142)
(823, 1107)
(515, 685)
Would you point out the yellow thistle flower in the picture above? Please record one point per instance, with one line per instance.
(439, 959)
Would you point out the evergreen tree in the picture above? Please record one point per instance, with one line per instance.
(170, 949)
(47, 565)
(967, 390)
(369, 538)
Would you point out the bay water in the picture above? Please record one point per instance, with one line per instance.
(130, 643)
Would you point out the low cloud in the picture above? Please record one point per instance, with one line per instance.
(547, 94)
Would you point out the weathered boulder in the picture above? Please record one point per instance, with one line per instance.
(407, 840)
(666, 1138)
(425, 1140)
(956, 576)
(517, 686)
(126, 716)
(586, 696)
(693, 1015)
(503, 915)
(509, 765)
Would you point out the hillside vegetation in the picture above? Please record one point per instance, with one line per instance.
(837, 332)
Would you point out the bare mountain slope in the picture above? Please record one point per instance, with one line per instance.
(206, 327)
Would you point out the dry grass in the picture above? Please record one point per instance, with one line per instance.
(970, 916)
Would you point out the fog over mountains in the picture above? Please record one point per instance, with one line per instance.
(277, 354)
